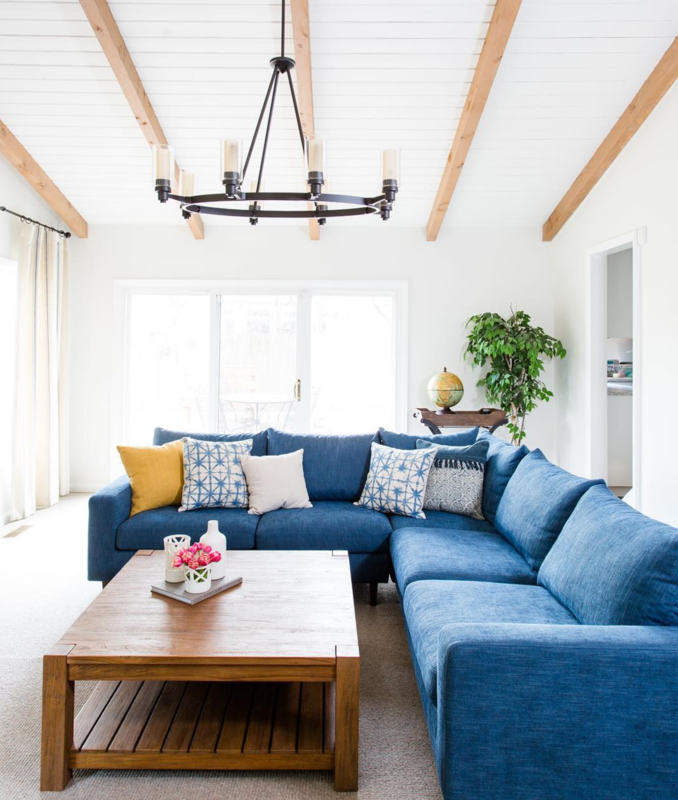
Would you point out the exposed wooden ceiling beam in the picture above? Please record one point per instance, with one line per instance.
(106, 29)
(661, 79)
(26, 165)
(498, 34)
(302, 55)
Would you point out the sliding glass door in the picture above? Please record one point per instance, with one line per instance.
(258, 371)
(238, 358)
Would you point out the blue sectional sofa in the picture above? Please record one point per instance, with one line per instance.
(335, 468)
(544, 638)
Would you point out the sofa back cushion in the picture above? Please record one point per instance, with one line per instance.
(613, 565)
(408, 441)
(502, 461)
(163, 436)
(537, 502)
(335, 467)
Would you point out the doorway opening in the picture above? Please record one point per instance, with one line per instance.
(614, 373)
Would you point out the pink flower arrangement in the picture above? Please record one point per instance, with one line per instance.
(195, 556)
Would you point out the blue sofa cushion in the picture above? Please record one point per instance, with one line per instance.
(163, 436)
(502, 461)
(146, 531)
(329, 525)
(441, 519)
(455, 555)
(408, 441)
(612, 565)
(537, 502)
(431, 605)
(335, 467)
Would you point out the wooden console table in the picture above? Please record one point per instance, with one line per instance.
(490, 418)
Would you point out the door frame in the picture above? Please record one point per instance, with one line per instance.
(596, 265)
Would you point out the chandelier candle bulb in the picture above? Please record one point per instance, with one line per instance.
(230, 165)
(217, 541)
(163, 170)
(188, 184)
(315, 157)
(391, 165)
(256, 205)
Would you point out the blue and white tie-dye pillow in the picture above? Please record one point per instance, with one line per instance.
(396, 482)
(213, 475)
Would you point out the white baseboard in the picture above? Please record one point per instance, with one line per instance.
(86, 488)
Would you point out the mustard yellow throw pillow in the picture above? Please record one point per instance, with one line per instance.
(156, 474)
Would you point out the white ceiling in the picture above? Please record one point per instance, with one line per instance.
(385, 73)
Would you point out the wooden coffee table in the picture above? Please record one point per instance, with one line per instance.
(262, 676)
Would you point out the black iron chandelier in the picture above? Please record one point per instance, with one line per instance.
(230, 202)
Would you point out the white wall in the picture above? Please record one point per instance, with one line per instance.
(620, 294)
(467, 271)
(16, 194)
(639, 190)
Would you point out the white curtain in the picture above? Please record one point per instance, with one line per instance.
(40, 447)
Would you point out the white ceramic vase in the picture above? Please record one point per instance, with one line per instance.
(197, 581)
(217, 541)
(172, 545)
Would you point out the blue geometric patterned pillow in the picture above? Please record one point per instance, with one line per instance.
(396, 482)
(213, 475)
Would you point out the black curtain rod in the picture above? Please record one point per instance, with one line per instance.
(24, 218)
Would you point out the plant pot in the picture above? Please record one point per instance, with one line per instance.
(172, 545)
(197, 581)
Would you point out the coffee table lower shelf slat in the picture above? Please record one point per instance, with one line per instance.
(199, 726)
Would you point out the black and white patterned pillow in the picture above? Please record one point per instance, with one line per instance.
(455, 483)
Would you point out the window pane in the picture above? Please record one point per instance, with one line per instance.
(352, 364)
(258, 359)
(168, 364)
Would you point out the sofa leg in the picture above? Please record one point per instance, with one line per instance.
(104, 584)
(373, 593)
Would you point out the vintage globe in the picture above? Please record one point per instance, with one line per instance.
(445, 389)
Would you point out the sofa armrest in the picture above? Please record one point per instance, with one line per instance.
(108, 509)
(566, 711)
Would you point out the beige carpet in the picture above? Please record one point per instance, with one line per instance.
(396, 761)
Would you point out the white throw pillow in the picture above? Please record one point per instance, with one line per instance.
(276, 482)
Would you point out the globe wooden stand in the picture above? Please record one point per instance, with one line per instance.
(490, 418)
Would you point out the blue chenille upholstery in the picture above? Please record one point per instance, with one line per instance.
(536, 503)
(163, 436)
(431, 605)
(557, 712)
(455, 555)
(108, 509)
(329, 525)
(502, 461)
(335, 467)
(613, 565)
(441, 519)
(408, 441)
(146, 531)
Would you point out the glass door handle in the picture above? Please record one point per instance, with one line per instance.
(297, 390)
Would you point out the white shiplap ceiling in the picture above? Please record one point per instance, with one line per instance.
(385, 73)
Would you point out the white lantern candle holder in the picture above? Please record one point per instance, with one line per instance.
(199, 580)
(172, 546)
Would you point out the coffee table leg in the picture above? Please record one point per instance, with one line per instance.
(347, 715)
(57, 721)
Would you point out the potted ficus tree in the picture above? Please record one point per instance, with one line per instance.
(515, 351)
